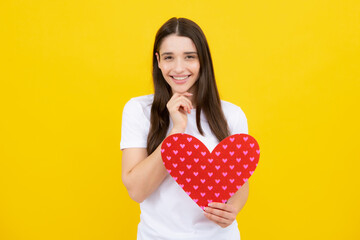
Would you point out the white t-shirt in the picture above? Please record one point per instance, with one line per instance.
(169, 213)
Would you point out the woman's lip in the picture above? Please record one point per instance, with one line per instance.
(180, 76)
(182, 81)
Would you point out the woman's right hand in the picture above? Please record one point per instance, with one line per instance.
(178, 106)
(142, 173)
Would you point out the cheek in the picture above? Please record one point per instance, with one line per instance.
(194, 64)
(164, 68)
(195, 67)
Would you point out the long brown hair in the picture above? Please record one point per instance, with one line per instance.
(207, 96)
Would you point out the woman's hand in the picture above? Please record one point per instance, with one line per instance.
(178, 106)
(220, 213)
(224, 214)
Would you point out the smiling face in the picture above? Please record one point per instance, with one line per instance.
(179, 63)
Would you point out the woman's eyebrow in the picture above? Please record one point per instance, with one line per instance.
(170, 53)
(166, 53)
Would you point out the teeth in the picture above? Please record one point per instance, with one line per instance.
(180, 78)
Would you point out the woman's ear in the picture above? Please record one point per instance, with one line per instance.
(158, 59)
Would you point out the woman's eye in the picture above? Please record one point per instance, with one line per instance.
(190, 56)
(167, 58)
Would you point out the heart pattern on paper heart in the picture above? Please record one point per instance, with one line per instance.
(210, 176)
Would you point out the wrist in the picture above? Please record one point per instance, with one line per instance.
(175, 130)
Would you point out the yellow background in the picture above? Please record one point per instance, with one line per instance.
(68, 67)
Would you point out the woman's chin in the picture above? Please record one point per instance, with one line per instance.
(180, 91)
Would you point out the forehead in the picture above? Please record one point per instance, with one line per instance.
(177, 44)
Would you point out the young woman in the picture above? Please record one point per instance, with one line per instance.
(186, 100)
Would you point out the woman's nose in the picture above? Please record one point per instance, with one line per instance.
(179, 66)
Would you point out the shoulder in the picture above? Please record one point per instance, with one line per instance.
(135, 122)
(235, 117)
(143, 101)
(231, 109)
(139, 104)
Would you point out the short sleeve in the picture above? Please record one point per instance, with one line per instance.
(239, 123)
(134, 127)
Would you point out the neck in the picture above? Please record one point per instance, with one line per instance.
(193, 97)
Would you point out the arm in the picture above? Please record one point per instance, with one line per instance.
(224, 214)
(142, 174)
(239, 199)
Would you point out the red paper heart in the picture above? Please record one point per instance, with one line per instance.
(210, 177)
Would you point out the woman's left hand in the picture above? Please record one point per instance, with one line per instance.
(221, 213)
